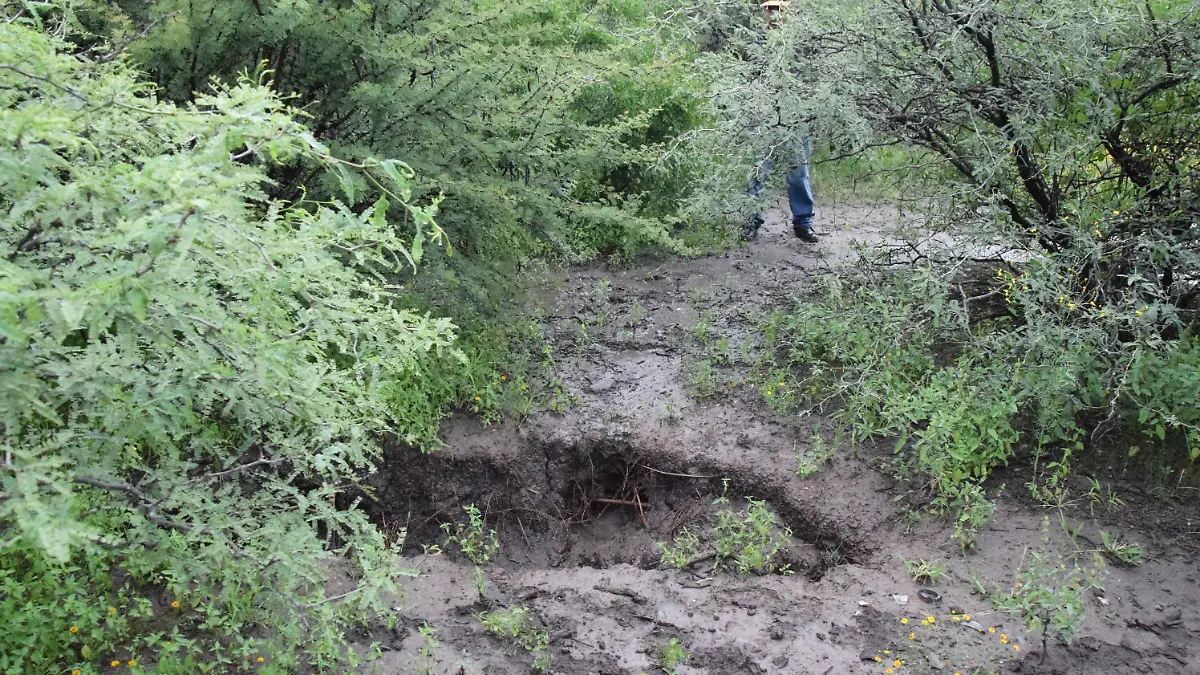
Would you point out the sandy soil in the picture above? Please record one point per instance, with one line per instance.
(589, 570)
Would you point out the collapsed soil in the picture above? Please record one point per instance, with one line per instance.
(581, 499)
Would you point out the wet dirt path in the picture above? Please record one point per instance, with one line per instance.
(581, 499)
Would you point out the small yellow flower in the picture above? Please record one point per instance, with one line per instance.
(1016, 648)
(1116, 213)
(929, 619)
(132, 663)
(912, 636)
(523, 387)
(904, 621)
(897, 663)
(112, 610)
(74, 629)
(175, 604)
(76, 672)
(966, 617)
(886, 652)
(889, 670)
(878, 658)
(167, 643)
(477, 398)
(992, 629)
(1139, 312)
(503, 378)
(115, 663)
(1070, 305)
(259, 659)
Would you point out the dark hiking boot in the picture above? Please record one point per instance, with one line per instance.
(805, 232)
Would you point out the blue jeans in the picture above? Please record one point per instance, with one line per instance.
(799, 190)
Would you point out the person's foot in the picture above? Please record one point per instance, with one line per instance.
(804, 231)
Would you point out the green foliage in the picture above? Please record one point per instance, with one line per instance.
(1052, 149)
(476, 541)
(810, 459)
(924, 571)
(192, 373)
(681, 551)
(429, 647)
(518, 625)
(749, 541)
(541, 123)
(671, 655)
(1048, 594)
(1123, 552)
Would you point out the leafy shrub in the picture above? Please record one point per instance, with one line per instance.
(191, 372)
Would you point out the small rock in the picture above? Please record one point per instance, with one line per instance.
(929, 596)
(900, 599)
(821, 636)
(780, 661)
(973, 624)
(602, 385)
(776, 633)
(935, 661)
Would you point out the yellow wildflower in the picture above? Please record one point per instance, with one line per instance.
(992, 629)
(897, 663)
(75, 672)
(132, 663)
(878, 658)
(912, 636)
(115, 663)
(259, 659)
(74, 629)
(966, 617)
(175, 604)
(929, 619)
(904, 621)
(112, 610)
(1016, 648)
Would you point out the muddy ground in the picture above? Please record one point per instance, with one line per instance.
(580, 500)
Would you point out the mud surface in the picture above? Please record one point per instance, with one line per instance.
(581, 499)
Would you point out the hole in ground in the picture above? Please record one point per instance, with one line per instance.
(592, 504)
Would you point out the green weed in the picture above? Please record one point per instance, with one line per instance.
(518, 625)
(428, 650)
(1123, 552)
(476, 541)
(1106, 498)
(924, 571)
(749, 541)
(671, 655)
(682, 549)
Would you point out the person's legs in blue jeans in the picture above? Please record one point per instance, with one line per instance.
(800, 196)
(758, 183)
